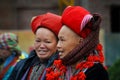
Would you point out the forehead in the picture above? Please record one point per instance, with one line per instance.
(44, 32)
(42, 28)
(66, 32)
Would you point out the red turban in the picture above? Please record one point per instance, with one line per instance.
(48, 20)
(76, 18)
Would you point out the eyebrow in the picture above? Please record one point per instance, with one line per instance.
(61, 36)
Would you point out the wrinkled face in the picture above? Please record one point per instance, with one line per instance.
(45, 43)
(4, 53)
(68, 40)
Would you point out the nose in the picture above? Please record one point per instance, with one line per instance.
(58, 45)
(42, 45)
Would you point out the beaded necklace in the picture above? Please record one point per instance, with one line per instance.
(58, 70)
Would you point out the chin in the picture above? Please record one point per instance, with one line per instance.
(43, 56)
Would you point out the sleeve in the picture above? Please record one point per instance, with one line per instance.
(16, 71)
(6, 76)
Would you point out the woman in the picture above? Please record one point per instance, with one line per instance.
(80, 51)
(46, 28)
(10, 54)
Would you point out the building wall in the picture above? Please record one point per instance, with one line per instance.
(16, 14)
(7, 15)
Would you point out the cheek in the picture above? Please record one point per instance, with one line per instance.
(69, 46)
(36, 45)
(52, 50)
(53, 47)
(66, 48)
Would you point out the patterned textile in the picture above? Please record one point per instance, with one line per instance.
(8, 67)
(10, 63)
(33, 69)
(37, 72)
(9, 41)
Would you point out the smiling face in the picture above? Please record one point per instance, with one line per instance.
(45, 43)
(68, 40)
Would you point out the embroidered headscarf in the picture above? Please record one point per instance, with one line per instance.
(9, 41)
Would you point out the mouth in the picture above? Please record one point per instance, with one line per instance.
(41, 52)
(60, 53)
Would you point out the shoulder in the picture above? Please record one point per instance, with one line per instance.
(97, 72)
(20, 63)
(32, 54)
(17, 69)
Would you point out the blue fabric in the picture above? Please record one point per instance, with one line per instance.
(7, 74)
(1, 46)
(8, 60)
(22, 66)
(24, 76)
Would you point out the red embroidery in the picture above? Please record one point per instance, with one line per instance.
(58, 70)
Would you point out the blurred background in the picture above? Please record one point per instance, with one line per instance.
(15, 16)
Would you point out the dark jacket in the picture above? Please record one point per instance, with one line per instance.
(97, 72)
(24, 64)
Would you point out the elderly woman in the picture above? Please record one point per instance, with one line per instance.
(80, 51)
(46, 28)
(10, 54)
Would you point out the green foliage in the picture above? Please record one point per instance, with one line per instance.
(114, 71)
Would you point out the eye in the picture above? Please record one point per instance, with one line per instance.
(37, 40)
(61, 39)
(47, 41)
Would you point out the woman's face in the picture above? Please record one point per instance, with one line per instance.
(4, 53)
(45, 43)
(68, 40)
